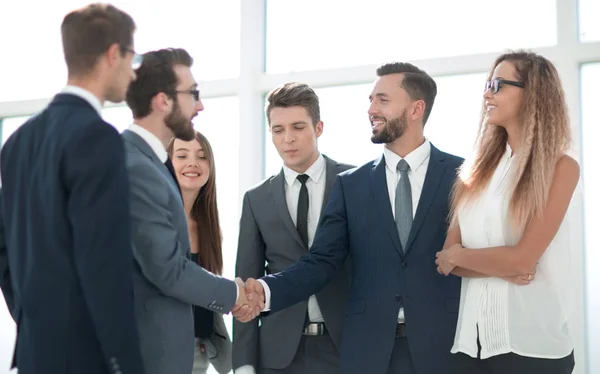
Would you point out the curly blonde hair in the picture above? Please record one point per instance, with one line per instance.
(546, 138)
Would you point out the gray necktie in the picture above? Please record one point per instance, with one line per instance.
(403, 206)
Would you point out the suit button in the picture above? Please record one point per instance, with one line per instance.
(398, 297)
(403, 264)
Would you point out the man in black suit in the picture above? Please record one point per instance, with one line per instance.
(65, 241)
(306, 337)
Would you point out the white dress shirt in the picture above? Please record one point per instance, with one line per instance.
(418, 160)
(532, 320)
(315, 184)
(85, 95)
(152, 140)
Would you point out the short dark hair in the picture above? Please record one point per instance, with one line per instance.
(155, 75)
(294, 94)
(416, 82)
(87, 33)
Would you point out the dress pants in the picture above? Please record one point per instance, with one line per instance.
(401, 361)
(315, 355)
(513, 363)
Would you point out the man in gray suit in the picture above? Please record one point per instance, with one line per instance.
(279, 220)
(163, 100)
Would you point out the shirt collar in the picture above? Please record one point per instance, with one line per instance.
(414, 159)
(314, 172)
(85, 95)
(152, 140)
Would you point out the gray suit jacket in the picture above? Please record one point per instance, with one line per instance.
(166, 283)
(218, 346)
(267, 234)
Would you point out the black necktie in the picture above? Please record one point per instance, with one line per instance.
(302, 217)
(171, 169)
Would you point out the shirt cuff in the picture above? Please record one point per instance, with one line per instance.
(246, 369)
(267, 295)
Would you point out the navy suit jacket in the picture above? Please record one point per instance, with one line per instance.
(358, 221)
(66, 260)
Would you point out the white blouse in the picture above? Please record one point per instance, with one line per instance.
(527, 320)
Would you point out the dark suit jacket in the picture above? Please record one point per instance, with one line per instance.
(67, 238)
(358, 221)
(166, 282)
(267, 233)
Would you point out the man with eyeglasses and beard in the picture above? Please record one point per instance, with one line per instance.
(164, 99)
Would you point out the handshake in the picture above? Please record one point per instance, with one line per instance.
(251, 300)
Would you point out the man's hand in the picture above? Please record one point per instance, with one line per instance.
(255, 290)
(248, 305)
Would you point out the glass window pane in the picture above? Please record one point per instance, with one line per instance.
(346, 137)
(10, 125)
(369, 32)
(590, 75)
(118, 116)
(38, 49)
(589, 27)
(454, 120)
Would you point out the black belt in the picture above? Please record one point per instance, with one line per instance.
(315, 329)
(401, 330)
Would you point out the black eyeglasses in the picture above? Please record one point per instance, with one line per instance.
(194, 93)
(136, 60)
(496, 84)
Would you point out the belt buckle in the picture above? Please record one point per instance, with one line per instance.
(314, 329)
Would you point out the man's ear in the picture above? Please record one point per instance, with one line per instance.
(161, 102)
(113, 54)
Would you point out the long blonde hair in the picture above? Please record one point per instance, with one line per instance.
(546, 136)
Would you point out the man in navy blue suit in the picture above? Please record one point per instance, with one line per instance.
(390, 217)
(66, 260)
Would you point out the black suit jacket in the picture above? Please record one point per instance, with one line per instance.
(65, 243)
(268, 234)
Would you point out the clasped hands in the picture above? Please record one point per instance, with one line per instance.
(444, 260)
(251, 300)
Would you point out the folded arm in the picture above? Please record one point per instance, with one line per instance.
(522, 258)
(452, 239)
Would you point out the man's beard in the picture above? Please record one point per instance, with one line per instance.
(180, 125)
(392, 129)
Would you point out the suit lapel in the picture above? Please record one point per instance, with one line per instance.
(381, 195)
(145, 149)
(435, 172)
(277, 188)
